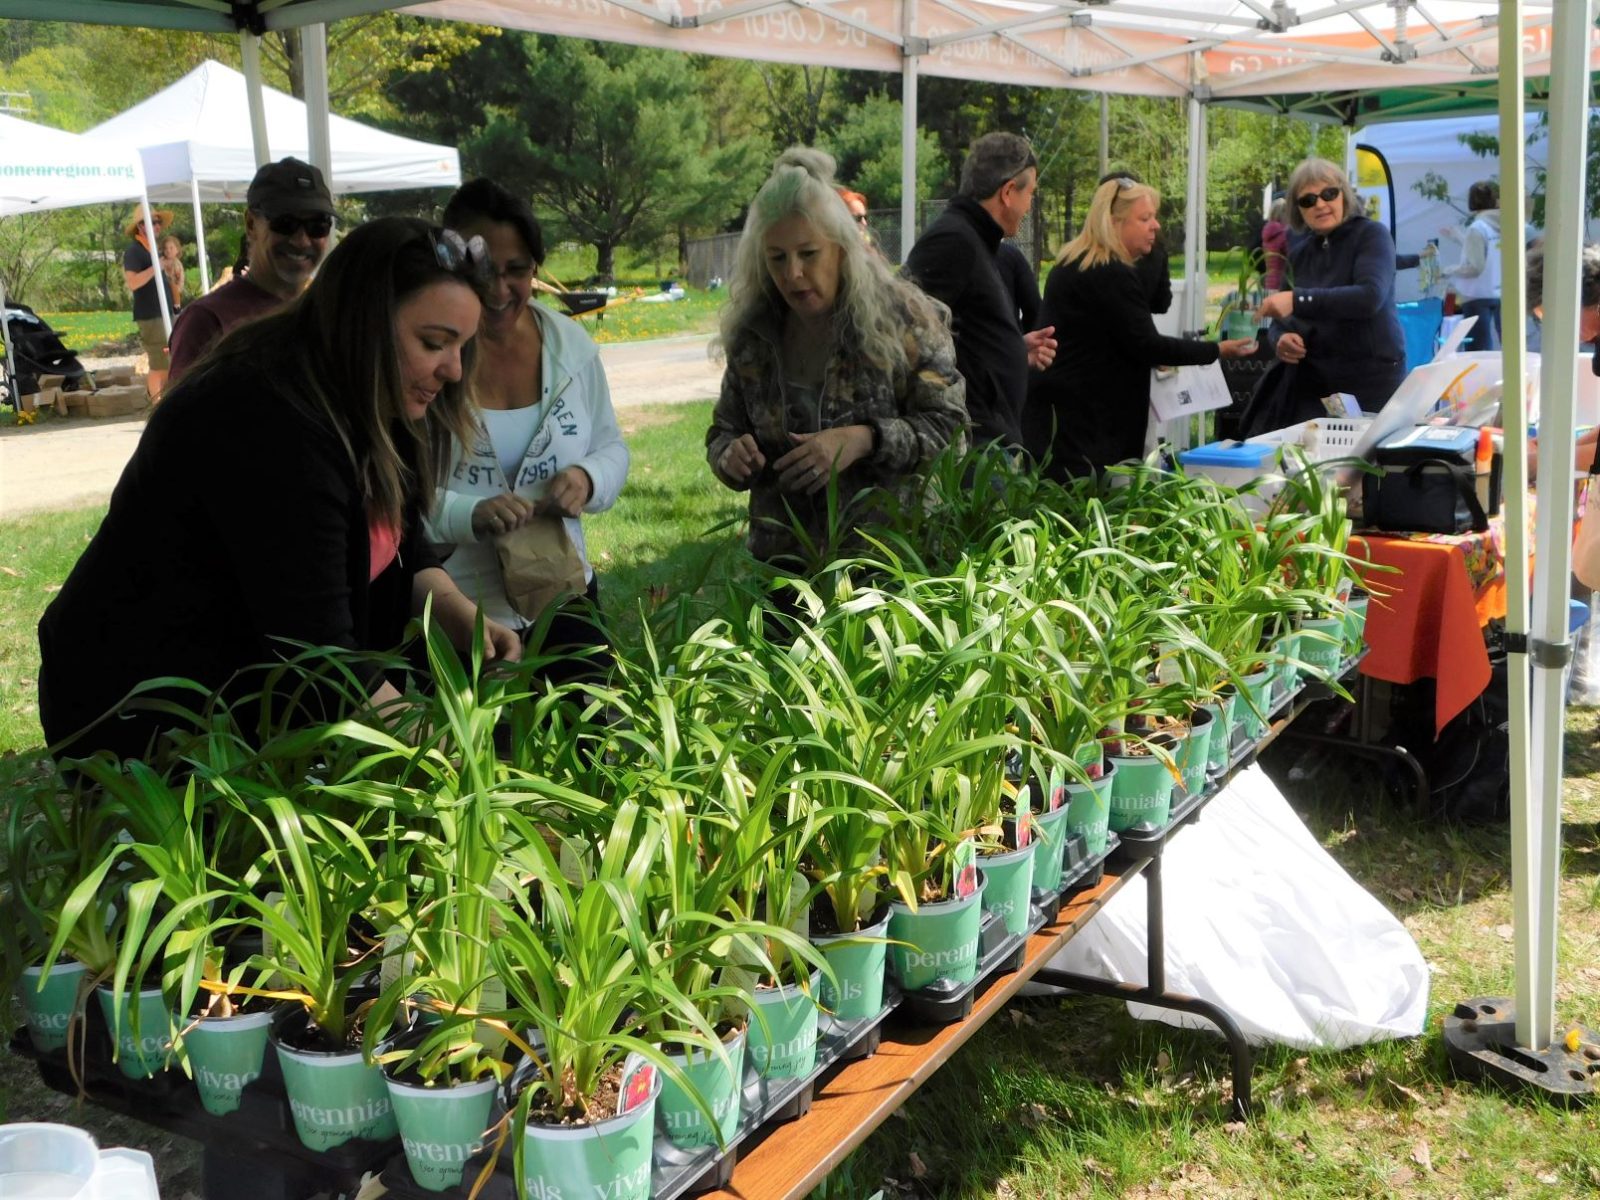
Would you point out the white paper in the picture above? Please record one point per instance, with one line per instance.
(1453, 340)
(1177, 392)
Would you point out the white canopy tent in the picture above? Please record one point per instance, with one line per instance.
(1313, 58)
(195, 140)
(43, 168)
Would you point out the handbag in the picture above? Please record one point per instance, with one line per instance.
(1427, 483)
(1586, 546)
(539, 564)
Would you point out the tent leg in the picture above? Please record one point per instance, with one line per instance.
(10, 356)
(908, 130)
(199, 234)
(250, 54)
(314, 49)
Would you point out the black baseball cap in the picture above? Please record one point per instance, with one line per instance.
(286, 187)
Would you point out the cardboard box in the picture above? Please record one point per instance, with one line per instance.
(28, 402)
(61, 403)
(46, 382)
(110, 377)
(118, 401)
(77, 403)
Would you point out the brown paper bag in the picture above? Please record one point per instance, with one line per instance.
(540, 564)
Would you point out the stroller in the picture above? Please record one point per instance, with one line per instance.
(38, 350)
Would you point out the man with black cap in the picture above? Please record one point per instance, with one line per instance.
(288, 217)
(954, 261)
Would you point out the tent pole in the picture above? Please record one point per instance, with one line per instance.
(1540, 870)
(155, 262)
(908, 128)
(314, 52)
(1194, 253)
(1513, 328)
(250, 56)
(1105, 133)
(5, 336)
(199, 233)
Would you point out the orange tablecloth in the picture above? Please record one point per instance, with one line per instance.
(1426, 621)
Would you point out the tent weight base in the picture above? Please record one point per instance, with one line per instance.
(1480, 1037)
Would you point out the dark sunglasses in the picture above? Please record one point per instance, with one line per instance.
(861, 218)
(1329, 194)
(318, 226)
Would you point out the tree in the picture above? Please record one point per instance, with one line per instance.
(797, 102)
(612, 138)
(866, 144)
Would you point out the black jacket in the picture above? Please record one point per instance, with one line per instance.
(1344, 308)
(954, 261)
(1022, 281)
(1098, 389)
(238, 520)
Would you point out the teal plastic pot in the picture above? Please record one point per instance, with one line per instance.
(1286, 668)
(143, 1037)
(1219, 751)
(1195, 752)
(610, 1158)
(1010, 883)
(335, 1097)
(1253, 722)
(441, 1128)
(1322, 644)
(1141, 791)
(1355, 621)
(49, 1009)
(225, 1055)
(860, 961)
(1089, 810)
(784, 1024)
(680, 1119)
(1050, 843)
(939, 941)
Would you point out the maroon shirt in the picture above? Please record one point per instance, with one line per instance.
(201, 324)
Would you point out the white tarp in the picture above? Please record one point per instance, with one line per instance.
(43, 168)
(199, 129)
(1262, 921)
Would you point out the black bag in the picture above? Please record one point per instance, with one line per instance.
(1428, 483)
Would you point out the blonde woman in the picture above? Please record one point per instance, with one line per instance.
(836, 370)
(1097, 392)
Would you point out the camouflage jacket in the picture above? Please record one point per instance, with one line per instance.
(915, 412)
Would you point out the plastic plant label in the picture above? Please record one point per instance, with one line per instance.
(1024, 827)
(964, 868)
(1058, 796)
(638, 1085)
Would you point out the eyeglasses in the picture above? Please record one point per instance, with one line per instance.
(319, 225)
(860, 218)
(1328, 194)
(1124, 183)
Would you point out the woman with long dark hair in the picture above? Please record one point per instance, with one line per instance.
(274, 501)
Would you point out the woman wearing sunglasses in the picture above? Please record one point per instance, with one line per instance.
(1095, 396)
(274, 500)
(1335, 327)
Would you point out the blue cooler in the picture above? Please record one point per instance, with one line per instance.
(1233, 464)
(1420, 321)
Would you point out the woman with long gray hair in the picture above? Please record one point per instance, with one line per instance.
(839, 375)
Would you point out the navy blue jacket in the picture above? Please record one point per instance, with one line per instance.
(954, 261)
(1344, 308)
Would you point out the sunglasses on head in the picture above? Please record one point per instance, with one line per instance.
(456, 253)
(1328, 194)
(316, 226)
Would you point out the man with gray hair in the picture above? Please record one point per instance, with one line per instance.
(954, 262)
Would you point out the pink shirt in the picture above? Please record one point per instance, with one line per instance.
(384, 539)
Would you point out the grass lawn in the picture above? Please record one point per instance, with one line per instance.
(1072, 1098)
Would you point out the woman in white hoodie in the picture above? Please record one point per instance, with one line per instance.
(547, 440)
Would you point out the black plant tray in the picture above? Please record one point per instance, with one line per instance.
(678, 1172)
(999, 953)
(262, 1128)
(1084, 870)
